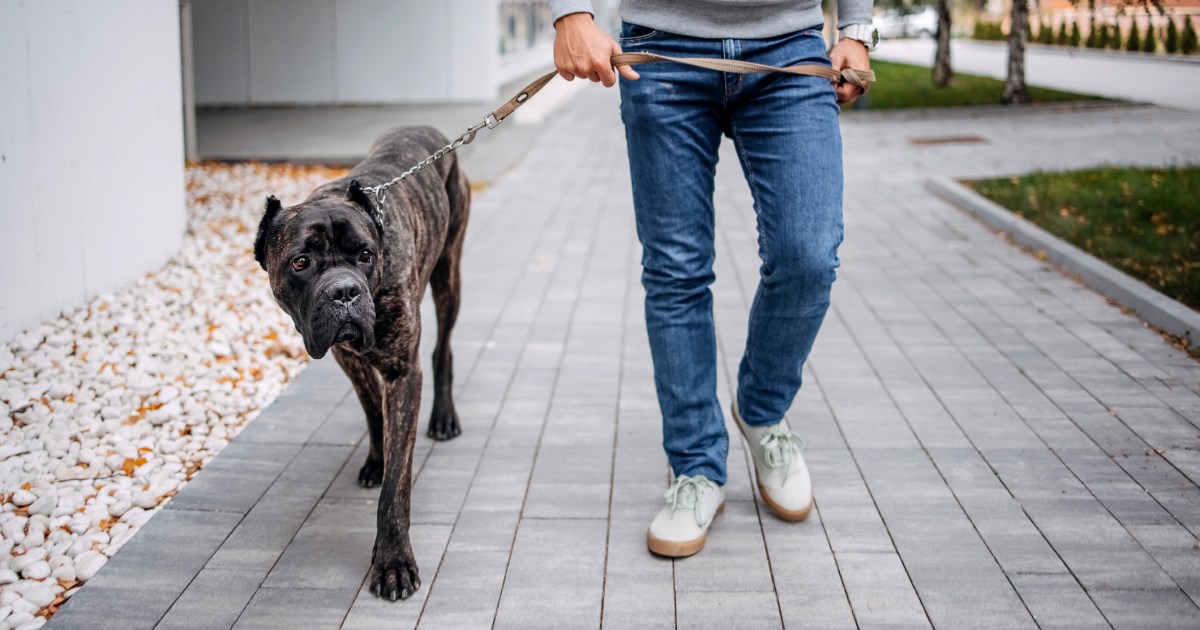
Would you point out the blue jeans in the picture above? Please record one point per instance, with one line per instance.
(785, 130)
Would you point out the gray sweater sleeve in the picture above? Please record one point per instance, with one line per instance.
(854, 12)
(559, 8)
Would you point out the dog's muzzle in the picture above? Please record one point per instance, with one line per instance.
(342, 311)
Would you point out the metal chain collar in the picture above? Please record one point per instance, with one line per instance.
(380, 191)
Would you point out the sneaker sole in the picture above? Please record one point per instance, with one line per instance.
(791, 516)
(680, 548)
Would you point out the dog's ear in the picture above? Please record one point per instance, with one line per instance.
(360, 198)
(264, 225)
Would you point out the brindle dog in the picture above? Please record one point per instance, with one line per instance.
(354, 283)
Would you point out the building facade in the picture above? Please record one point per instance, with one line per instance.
(355, 52)
(91, 150)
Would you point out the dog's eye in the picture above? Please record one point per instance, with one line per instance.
(300, 263)
(365, 256)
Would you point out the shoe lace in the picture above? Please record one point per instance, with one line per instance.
(780, 448)
(685, 494)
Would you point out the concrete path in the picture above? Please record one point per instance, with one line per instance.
(1133, 77)
(992, 444)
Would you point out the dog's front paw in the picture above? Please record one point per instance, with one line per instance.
(394, 570)
(371, 473)
(443, 425)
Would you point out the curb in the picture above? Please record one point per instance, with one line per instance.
(979, 111)
(1155, 308)
(1082, 51)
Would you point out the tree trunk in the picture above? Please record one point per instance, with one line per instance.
(942, 73)
(1014, 87)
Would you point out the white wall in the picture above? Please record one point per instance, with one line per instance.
(272, 52)
(91, 150)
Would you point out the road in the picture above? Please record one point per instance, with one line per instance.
(1167, 82)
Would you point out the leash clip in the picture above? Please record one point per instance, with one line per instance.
(491, 121)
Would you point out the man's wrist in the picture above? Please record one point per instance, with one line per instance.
(861, 44)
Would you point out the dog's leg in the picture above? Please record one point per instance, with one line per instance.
(393, 567)
(445, 282)
(370, 395)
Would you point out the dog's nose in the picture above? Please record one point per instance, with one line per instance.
(344, 292)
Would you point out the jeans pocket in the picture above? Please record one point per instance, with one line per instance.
(635, 34)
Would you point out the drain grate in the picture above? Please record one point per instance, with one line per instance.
(932, 140)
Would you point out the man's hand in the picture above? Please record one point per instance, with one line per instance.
(581, 49)
(849, 53)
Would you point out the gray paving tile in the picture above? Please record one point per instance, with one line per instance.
(296, 608)
(466, 591)
(734, 557)
(154, 553)
(1167, 608)
(570, 482)
(332, 550)
(441, 488)
(848, 511)
(806, 574)
(114, 607)
(728, 610)
(1058, 601)
(215, 599)
(556, 575)
(880, 592)
(234, 480)
(638, 586)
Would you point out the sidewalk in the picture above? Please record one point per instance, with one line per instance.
(992, 444)
(1162, 81)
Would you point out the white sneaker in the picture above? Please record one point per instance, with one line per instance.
(783, 479)
(681, 527)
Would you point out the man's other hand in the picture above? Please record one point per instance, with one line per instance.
(581, 49)
(849, 53)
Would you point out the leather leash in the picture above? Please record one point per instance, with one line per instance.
(860, 78)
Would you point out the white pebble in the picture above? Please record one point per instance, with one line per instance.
(145, 500)
(65, 573)
(19, 563)
(25, 606)
(120, 507)
(7, 576)
(39, 570)
(22, 498)
(45, 504)
(87, 564)
(43, 595)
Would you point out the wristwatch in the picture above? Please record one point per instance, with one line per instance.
(864, 33)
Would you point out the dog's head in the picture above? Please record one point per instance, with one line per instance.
(324, 258)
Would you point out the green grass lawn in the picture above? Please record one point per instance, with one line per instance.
(900, 85)
(1145, 222)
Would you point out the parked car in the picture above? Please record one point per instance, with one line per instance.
(895, 24)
